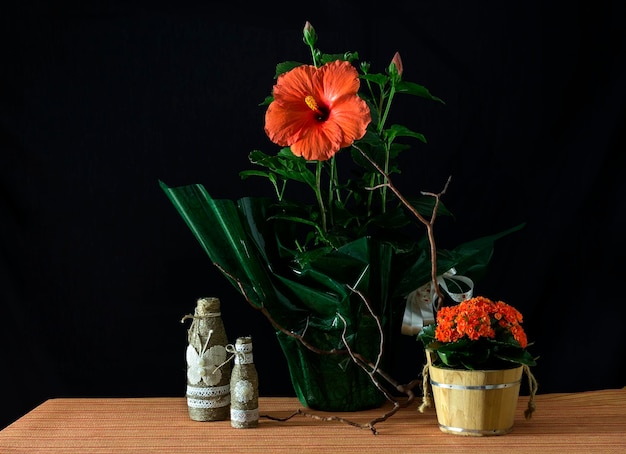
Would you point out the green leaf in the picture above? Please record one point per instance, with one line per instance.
(217, 226)
(286, 66)
(425, 204)
(469, 259)
(285, 164)
(402, 131)
(346, 56)
(326, 301)
(412, 88)
(267, 101)
(380, 79)
(427, 335)
(516, 355)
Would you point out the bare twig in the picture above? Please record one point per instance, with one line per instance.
(429, 224)
(372, 369)
(302, 412)
(275, 324)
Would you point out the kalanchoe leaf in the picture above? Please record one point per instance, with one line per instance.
(517, 356)
(450, 359)
(427, 335)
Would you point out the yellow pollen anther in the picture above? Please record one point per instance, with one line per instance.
(310, 101)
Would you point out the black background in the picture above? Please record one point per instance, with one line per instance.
(100, 100)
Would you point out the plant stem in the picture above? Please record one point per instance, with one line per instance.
(381, 125)
(318, 193)
(333, 188)
(383, 119)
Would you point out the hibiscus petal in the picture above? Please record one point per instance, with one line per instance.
(319, 143)
(337, 79)
(352, 115)
(285, 126)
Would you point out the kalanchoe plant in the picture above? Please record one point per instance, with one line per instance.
(478, 334)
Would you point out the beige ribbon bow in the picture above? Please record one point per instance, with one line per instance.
(420, 303)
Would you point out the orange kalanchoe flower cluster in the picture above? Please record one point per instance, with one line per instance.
(478, 317)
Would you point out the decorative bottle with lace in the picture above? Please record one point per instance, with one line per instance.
(208, 371)
(244, 387)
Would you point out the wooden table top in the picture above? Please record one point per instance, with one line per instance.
(593, 421)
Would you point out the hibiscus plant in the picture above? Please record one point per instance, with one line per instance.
(317, 110)
(331, 268)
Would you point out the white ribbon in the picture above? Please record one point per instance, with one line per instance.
(420, 303)
(244, 415)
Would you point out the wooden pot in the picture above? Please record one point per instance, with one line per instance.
(475, 402)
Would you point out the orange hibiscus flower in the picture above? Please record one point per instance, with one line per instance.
(317, 111)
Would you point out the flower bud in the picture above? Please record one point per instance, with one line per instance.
(395, 67)
(310, 37)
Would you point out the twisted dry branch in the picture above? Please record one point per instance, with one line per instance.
(372, 369)
(428, 223)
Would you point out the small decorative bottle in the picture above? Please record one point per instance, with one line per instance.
(208, 371)
(244, 387)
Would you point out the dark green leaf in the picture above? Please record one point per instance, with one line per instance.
(286, 66)
(217, 226)
(402, 131)
(286, 165)
(412, 88)
(380, 79)
(346, 56)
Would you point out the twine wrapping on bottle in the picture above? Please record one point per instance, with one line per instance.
(244, 384)
(208, 371)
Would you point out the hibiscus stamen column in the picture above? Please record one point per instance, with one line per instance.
(208, 372)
